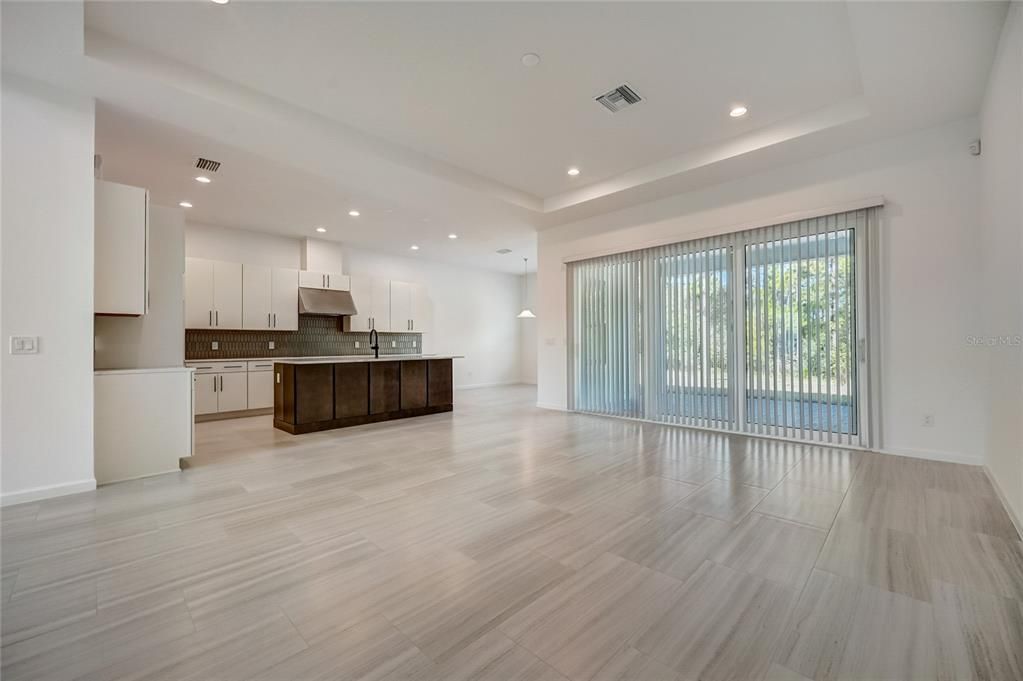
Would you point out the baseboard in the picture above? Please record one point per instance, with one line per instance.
(933, 455)
(1013, 516)
(39, 493)
(551, 406)
(473, 386)
(224, 415)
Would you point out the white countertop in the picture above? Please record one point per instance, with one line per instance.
(361, 358)
(157, 370)
(327, 359)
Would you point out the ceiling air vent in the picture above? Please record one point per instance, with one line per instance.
(504, 251)
(207, 165)
(621, 97)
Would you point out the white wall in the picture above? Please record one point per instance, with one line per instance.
(1002, 219)
(46, 447)
(527, 330)
(473, 309)
(929, 263)
(156, 339)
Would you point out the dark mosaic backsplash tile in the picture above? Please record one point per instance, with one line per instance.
(316, 336)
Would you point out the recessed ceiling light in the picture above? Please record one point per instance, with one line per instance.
(414, 247)
(185, 204)
(737, 112)
(354, 213)
(452, 236)
(321, 230)
(530, 59)
(220, 2)
(203, 179)
(573, 171)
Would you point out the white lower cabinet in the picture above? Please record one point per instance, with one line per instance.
(261, 385)
(221, 387)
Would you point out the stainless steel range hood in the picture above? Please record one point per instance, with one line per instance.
(323, 302)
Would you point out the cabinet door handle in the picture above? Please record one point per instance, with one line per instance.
(218, 317)
(268, 319)
(323, 280)
(221, 383)
(275, 320)
(214, 384)
(211, 317)
(328, 281)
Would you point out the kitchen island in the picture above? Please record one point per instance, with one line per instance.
(317, 394)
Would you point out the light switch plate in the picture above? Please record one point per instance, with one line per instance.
(24, 345)
(271, 345)
(215, 345)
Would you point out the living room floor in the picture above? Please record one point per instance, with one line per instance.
(504, 541)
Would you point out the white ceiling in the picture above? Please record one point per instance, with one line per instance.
(425, 110)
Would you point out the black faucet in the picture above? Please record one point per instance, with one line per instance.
(374, 342)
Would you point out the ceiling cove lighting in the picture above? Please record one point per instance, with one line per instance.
(526, 312)
(573, 171)
(354, 213)
(321, 230)
(185, 204)
(452, 236)
(203, 179)
(737, 112)
(413, 247)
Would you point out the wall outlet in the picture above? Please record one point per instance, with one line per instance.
(215, 345)
(394, 344)
(413, 343)
(271, 345)
(356, 345)
(24, 345)
(927, 421)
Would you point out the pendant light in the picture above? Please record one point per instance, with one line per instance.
(526, 312)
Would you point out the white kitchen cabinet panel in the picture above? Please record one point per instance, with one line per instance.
(261, 389)
(334, 281)
(233, 391)
(198, 293)
(284, 299)
(422, 309)
(257, 308)
(121, 282)
(362, 296)
(381, 305)
(401, 306)
(227, 295)
(206, 393)
(213, 294)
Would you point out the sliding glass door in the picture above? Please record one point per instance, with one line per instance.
(759, 331)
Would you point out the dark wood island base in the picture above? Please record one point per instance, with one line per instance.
(315, 396)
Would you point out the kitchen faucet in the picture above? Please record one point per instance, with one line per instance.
(374, 343)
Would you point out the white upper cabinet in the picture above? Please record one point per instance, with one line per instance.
(284, 299)
(121, 249)
(372, 299)
(422, 309)
(213, 294)
(401, 306)
(334, 281)
(270, 298)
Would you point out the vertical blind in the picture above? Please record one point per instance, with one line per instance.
(762, 331)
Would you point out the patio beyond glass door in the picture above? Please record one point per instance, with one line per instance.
(762, 331)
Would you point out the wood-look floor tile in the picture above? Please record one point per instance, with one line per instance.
(802, 504)
(980, 635)
(454, 611)
(578, 625)
(47, 609)
(628, 664)
(883, 507)
(676, 542)
(722, 624)
(724, 499)
(495, 657)
(372, 649)
(972, 513)
(980, 561)
(844, 629)
(825, 468)
(771, 548)
(650, 495)
(585, 535)
(779, 673)
(889, 559)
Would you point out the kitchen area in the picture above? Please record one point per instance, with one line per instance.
(184, 335)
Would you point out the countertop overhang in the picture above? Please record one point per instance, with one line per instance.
(357, 358)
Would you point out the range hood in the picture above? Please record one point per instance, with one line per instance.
(325, 302)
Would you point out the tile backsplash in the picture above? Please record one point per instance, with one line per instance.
(316, 336)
